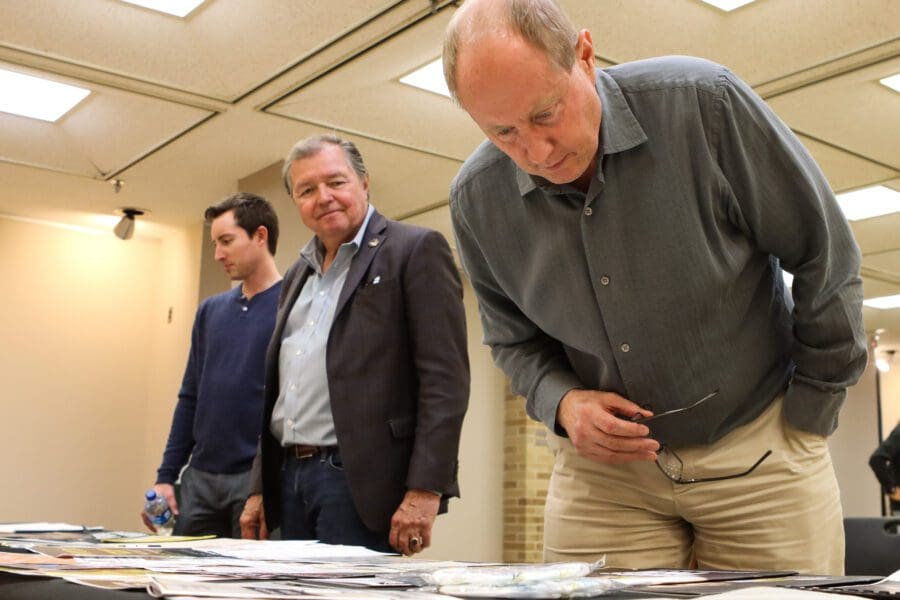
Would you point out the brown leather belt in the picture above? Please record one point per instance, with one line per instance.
(301, 451)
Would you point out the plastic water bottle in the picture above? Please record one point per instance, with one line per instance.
(157, 509)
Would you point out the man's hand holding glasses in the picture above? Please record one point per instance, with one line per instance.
(601, 426)
(606, 427)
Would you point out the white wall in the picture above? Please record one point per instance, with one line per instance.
(84, 360)
(852, 444)
(472, 529)
(890, 397)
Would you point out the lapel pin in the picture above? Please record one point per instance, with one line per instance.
(377, 280)
(373, 242)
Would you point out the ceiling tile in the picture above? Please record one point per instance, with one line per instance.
(105, 132)
(765, 40)
(221, 50)
(365, 96)
(852, 111)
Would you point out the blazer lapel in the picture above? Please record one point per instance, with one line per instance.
(291, 295)
(371, 244)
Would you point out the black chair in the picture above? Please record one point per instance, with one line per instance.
(872, 545)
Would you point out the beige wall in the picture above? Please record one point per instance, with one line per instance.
(177, 290)
(86, 361)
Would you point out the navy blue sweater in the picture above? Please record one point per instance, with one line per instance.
(219, 412)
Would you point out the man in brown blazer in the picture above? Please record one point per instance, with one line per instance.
(367, 376)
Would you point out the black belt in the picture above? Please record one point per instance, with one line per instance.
(301, 451)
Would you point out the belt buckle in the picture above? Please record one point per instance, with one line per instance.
(301, 452)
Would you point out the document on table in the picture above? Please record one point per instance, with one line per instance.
(889, 587)
(163, 587)
(43, 527)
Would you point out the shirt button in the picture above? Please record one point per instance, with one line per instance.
(604, 280)
(625, 348)
(244, 308)
(588, 211)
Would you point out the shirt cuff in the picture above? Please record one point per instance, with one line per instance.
(812, 409)
(547, 395)
(166, 477)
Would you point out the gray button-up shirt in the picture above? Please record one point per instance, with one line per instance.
(662, 283)
(302, 413)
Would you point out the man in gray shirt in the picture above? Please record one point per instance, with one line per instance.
(625, 232)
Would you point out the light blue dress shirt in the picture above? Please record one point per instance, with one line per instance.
(302, 413)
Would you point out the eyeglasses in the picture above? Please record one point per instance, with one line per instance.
(671, 465)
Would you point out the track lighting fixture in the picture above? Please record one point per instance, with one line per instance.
(124, 229)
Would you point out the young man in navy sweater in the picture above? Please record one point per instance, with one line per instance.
(217, 418)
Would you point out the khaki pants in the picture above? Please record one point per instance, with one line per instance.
(785, 515)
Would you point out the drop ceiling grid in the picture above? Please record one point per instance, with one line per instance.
(760, 42)
(852, 111)
(221, 52)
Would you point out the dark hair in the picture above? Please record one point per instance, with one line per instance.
(313, 145)
(250, 211)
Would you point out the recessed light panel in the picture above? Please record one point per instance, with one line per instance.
(179, 8)
(728, 5)
(869, 202)
(883, 302)
(37, 98)
(892, 82)
(429, 78)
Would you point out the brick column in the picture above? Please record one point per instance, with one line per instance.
(528, 463)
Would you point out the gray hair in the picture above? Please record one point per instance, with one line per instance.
(315, 144)
(541, 23)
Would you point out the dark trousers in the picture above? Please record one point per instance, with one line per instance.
(316, 504)
(211, 503)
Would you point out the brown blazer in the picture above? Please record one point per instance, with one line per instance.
(398, 372)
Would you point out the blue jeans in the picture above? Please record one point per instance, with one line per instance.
(316, 504)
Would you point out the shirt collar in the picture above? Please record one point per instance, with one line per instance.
(619, 130)
(313, 252)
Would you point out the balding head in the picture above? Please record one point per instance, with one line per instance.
(540, 23)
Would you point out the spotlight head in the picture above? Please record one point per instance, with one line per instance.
(124, 229)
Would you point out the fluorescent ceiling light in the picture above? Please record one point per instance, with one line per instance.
(37, 98)
(869, 202)
(429, 78)
(179, 8)
(883, 302)
(892, 82)
(728, 5)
